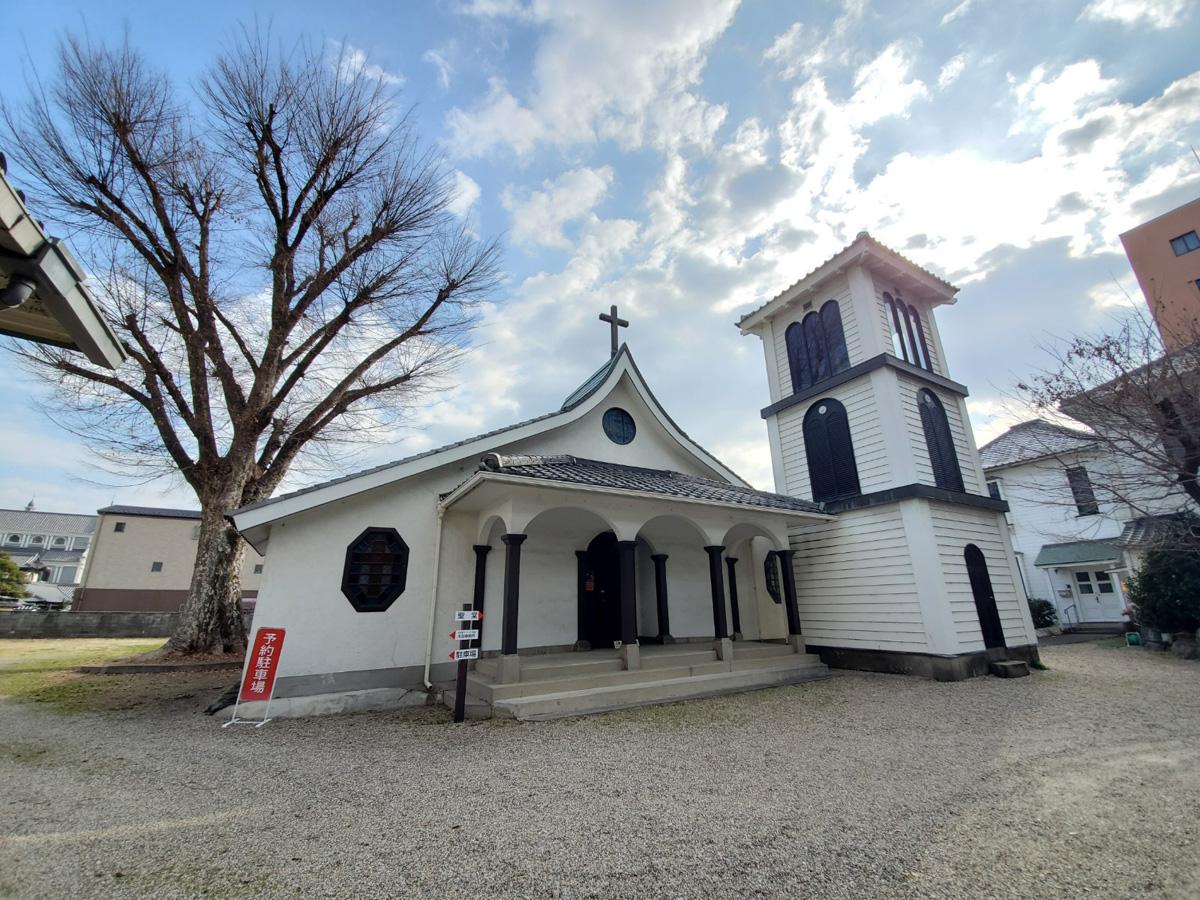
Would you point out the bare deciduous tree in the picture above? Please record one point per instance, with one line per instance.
(1142, 404)
(278, 256)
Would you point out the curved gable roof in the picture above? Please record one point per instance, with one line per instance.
(581, 401)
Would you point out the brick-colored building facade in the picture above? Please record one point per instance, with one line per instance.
(1165, 256)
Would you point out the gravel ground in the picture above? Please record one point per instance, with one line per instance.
(1079, 781)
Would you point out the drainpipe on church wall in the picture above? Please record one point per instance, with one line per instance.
(437, 552)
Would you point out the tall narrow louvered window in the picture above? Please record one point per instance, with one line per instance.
(942, 456)
(832, 471)
(907, 332)
(816, 347)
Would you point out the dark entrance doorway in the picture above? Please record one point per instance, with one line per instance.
(985, 597)
(600, 593)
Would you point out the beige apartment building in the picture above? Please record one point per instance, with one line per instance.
(1165, 256)
(141, 560)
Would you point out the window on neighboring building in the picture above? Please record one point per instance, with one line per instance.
(907, 331)
(832, 471)
(942, 455)
(60, 542)
(376, 569)
(1104, 582)
(258, 568)
(1081, 490)
(14, 539)
(994, 490)
(1094, 582)
(38, 539)
(156, 566)
(1185, 243)
(118, 526)
(816, 347)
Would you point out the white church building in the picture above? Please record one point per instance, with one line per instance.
(617, 562)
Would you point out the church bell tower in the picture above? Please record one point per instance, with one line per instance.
(915, 572)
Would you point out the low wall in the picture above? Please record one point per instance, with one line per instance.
(89, 624)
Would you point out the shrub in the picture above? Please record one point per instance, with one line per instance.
(1165, 592)
(1043, 612)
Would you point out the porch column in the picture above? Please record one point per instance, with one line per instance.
(512, 591)
(730, 562)
(581, 559)
(660, 596)
(481, 552)
(627, 562)
(789, 599)
(716, 579)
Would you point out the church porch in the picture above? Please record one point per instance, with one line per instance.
(610, 590)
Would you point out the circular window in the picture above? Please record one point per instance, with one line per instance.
(618, 425)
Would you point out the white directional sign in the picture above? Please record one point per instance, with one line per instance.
(468, 615)
(473, 653)
(465, 634)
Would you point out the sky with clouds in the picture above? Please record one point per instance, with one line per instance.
(688, 159)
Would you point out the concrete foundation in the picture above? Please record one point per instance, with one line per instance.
(925, 665)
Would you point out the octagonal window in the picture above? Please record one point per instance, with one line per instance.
(376, 569)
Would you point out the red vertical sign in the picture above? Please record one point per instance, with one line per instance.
(259, 682)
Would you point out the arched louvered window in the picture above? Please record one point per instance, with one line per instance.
(942, 456)
(832, 471)
(816, 347)
(907, 332)
(985, 597)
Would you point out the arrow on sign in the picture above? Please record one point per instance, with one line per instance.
(468, 615)
(464, 654)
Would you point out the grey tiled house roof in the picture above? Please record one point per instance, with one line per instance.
(38, 522)
(1033, 440)
(595, 473)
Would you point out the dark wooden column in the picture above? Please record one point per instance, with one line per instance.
(717, 580)
(789, 590)
(512, 591)
(730, 562)
(660, 596)
(481, 552)
(627, 558)
(581, 560)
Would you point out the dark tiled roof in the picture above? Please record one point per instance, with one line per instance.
(1033, 440)
(594, 473)
(1146, 530)
(38, 522)
(150, 512)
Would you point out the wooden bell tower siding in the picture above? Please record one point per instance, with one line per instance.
(866, 419)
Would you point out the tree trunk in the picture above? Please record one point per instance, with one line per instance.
(210, 620)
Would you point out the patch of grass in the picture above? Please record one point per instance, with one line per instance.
(43, 671)
(1112, 643)
(1039, 666)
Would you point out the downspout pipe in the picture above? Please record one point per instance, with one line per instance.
(433, 591)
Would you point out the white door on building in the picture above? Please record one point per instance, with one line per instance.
(1098, 596)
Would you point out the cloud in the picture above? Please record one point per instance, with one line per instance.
(805, 48)
(1155, 13)
(439, 60)
(350, 62)
(951, 70)
(957, 13)
(882, 88)
(1053, 100)
(539, 216)
(602, 72)
(466, 192)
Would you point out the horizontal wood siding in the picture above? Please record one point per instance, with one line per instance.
(927, 325)
(839, 291)
(954, 528)
(916, 435)
(870, 451)
(855, 584)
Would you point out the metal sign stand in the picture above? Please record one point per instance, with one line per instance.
(464, 653)
(264, 670)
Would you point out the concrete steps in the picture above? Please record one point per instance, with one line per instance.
(572, 684)
(559, 704)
